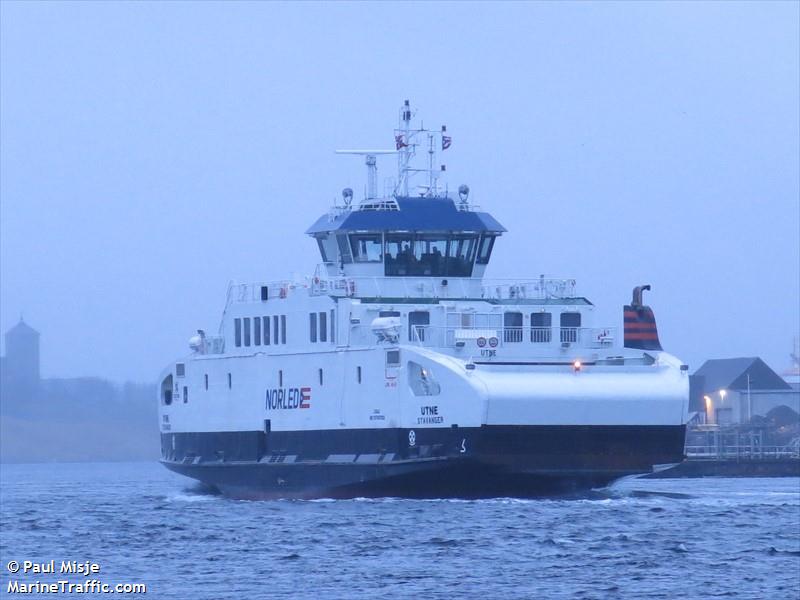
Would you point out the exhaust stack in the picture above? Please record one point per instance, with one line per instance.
(640, 323)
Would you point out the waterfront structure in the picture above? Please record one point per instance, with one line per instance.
(730, 391)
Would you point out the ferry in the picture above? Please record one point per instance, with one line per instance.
(399, 369)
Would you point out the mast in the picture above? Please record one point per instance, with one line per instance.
(404, 146)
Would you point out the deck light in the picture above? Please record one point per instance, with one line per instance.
(576, 366)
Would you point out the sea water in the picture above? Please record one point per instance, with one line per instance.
(140, 524)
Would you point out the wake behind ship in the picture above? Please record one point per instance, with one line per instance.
(397, 369)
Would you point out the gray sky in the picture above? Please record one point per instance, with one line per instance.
(151, 152)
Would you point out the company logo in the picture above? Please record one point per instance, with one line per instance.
(288, 398)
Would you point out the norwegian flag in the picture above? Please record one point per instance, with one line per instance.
(446, 142)
(399, 142)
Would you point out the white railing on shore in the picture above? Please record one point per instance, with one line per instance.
(750, 452)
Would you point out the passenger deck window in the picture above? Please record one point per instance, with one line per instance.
(312, 326)
(512, 322)
(541, 332)
(237, 332)
(323, 327)
(246, 327)
(283, 329)
(256, 331)
(275, 330)
(266, 330)
(393, 358)
(333, 328)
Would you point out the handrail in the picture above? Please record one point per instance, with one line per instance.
(488, 336)
(409, 287)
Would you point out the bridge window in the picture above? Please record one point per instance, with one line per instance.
(570, 324)
(512, 322)
(323, 327)
(180, 369)
(323, 254)
(461, 255)
(485, 250)
(429, 255)
(275, 330)
(256, 331)
(283, 329)
(246, 327)
(266, 330)
(344, 249)
(418, 321)
(399, 254)
(237, 332)
(540, 327)
(367, 248)
(312, 326)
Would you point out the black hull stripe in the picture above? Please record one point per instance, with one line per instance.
(331, 462)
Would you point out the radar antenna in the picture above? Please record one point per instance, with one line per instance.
(371, 160)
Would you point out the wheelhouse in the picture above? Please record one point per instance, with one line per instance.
(416, 237)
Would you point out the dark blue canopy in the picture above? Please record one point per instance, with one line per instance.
(415, 214)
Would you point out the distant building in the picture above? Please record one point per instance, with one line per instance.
(730, 391)
(20, 374)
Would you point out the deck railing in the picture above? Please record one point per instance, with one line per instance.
(494, 337)
(407, 287)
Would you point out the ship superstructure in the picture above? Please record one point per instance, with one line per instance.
(399, 369)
